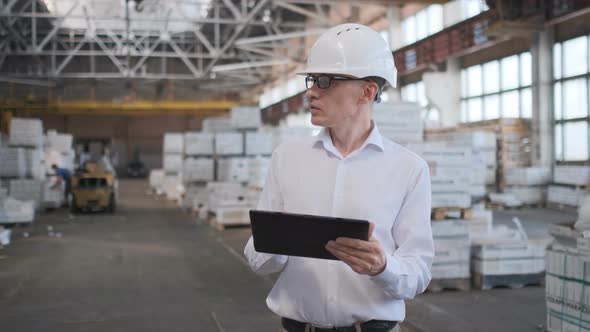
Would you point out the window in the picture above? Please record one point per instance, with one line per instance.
(424, 23)
(416, 92)
(571, 105)
(497, 89)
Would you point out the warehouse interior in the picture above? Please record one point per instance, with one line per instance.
(137, 135)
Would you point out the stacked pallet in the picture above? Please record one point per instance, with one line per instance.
(527, 185)
(509, 264)
(483, 153)
(27, 190)
(450, 267)
(513, 149)
(568, 274)
(16, 211)
(173, 165)
(570, 185)
(26, 133)
(450, 176)
(399, 121)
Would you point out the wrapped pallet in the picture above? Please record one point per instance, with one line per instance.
(244, 117)
(573, 175)
(58, 142)
(173, 163)
(399, 121)
(16, 211)
(26, 190)
(287, 134)
(565, 195)
(198, 169)
(156, 180)
(234, 169)
(217, 125)
(26, 133)
(259, 143)
(451, 249)
(173, 143)
(198, 144)
(258, 170)
(229, 143)
(13, 162)
(568, 274)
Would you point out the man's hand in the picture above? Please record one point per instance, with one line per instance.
(363, 257)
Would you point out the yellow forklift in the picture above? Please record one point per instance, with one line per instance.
(93, 190)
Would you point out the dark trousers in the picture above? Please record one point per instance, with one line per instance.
(290, 325)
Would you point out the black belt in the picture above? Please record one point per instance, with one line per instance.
(371, 326)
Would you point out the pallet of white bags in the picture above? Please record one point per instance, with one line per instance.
(230, 217)
(438, 285)
(486, 282)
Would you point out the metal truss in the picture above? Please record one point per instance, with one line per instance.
(230, 45)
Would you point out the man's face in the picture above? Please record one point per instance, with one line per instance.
(335, 105)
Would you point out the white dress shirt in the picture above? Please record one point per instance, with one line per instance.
(381, 182)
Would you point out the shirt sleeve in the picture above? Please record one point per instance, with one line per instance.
(270, 200)
(407, 272)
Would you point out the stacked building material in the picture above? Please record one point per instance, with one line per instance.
(528, 184)
(246, 117)
(26, 190)
(570, 185)
(399, 121)
(16, 211)
(451, 249)
(26, 133)
(198, 170)
(568, 274)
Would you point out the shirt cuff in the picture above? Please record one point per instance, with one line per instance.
(389, 276)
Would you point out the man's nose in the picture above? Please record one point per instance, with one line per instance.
(312, 92)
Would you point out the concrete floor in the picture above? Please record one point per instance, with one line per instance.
(151, 267)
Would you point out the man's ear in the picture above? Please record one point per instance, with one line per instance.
(370, 90)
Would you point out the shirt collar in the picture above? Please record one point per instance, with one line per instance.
(375, 139)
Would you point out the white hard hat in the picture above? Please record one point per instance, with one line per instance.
(354, 50)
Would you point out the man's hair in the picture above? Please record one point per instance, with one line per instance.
(380, 81)
(54, 166)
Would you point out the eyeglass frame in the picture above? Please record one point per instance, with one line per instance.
(314, 80)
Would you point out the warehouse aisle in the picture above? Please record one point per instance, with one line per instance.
(149, 267)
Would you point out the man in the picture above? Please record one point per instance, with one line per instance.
(349, 170)
(63, 174)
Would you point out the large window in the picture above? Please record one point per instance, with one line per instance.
(497, 89)
(571, 73)
(416, 92)
(424, 23)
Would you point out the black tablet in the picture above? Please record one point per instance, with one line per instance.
(301, 234)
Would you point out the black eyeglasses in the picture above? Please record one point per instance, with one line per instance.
(323, 81)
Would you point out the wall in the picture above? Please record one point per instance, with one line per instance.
(127, 133)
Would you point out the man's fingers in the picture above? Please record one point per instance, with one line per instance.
(358, 258)
(358, 265)
(371, 229)
(355, 244)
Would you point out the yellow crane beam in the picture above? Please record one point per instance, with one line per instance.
(206, 108)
